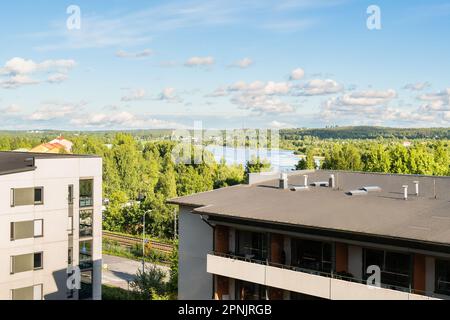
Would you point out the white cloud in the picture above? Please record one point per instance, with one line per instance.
(16, 81)
(319, 87)
(55, 110)
(243, 63)
(366, 98)
(262, 104)
(122, 120)
(11, 110)
(141, 54)
(297, 74)
(418, 86)
(18, 71)
(199, 61)
(280, 125)
(169, 95)
(135, 95)
(57, 78)
(437, 101)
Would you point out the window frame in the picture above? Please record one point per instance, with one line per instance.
(42, 260)
(41, 202)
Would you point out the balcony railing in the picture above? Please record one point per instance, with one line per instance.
(332, 275)
(85, 261)
(86, 230)
(86, 201)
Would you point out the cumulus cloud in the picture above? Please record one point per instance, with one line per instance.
(262, 104)
(18, 71)
(297, 74)
(418, 86)
(199, 61)
(55, 110)
(436, 101)
(280, 125)
(122, 120)
(135, 95)
(11, 110)
(141, 54)
(57, 78)
(242, 64)
(366, 98)
(319, 87)
(169, 95)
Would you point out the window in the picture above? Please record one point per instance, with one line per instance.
(85, 257)
(86, 285)
(442, 277)
(27, 196)
(39, 195)
(26, 262)
(395, 267)
(86, 193)
(27, 229)
(251, 245)
(27, 293)
(38, 228)
(311, 255)
(70, 194)
(37, 261)
(70, 225)
(86, 223)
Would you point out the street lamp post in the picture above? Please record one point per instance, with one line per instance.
(143, 240)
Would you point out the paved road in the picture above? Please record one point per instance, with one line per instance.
(120, 271)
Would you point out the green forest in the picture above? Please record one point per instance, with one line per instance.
(139, 174)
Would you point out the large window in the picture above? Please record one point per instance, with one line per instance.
(27, 229)
(86, 285)
(395, 267)
(250, 291)
(312, 255)
(27, 293)
(27, 196)
(251, 245)
(442, 277)
(85, 254)
(86, 193)
(26, 262)
(86, 222)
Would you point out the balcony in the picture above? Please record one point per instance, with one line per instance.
(315, 283)
(86, 201)
(85, 230)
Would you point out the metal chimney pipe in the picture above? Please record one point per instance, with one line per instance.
(416, 183)
(283, 180)
(305, 176)
(331, 182)
(405, 192)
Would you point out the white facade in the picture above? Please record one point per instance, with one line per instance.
(195, 242)
(54, 175)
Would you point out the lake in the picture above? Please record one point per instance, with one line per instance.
(283, 160)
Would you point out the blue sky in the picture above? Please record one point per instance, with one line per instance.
(227, 63)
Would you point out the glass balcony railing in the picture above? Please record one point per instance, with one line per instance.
(86, 230)
(86, 201)
(85, 261)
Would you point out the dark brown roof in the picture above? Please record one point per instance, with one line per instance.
(385, 213)
(14, 162)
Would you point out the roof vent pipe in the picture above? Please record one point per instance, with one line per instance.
(416, 183)
(332, 183)
(305, 176)
(283, 180)
(405, 192)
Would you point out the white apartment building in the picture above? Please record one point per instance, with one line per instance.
(50, 222)
(317, 235)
